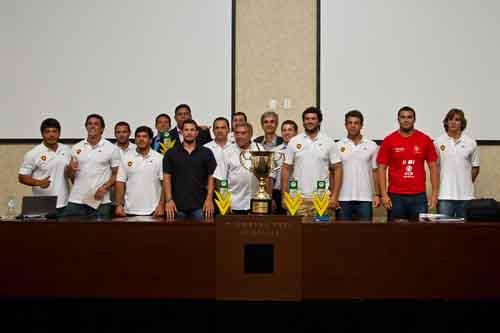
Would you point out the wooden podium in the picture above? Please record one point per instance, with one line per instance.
(258, 258)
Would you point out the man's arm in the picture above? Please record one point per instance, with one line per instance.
(170, 208)
(208, 205)
(119, 198)
(474, 173)
(376, 189)
(160, 208)
(101, 191)
(30, 181)
(382, 177)
(285, 175)
(434, 174)
(335, 184)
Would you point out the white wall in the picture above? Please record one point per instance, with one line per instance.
(125, 59)
(379, 55)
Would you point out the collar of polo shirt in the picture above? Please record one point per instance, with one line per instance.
(99, 144)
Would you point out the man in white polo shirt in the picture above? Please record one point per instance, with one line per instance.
(122, 135)
(242, 184)
(459, 165)
(43, 166)
(289, 129)
(359, 191)
(311, 157)
(139, 180)
(220, 143)
(93, 168)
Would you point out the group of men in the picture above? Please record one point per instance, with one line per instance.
(175, 172)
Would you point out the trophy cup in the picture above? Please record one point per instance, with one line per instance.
(262, 163)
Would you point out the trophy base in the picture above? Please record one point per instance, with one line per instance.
(261, 206)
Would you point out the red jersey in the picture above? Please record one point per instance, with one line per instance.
(405, 158)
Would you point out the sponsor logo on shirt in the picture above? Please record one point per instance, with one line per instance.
(398, 149)
(408, 168)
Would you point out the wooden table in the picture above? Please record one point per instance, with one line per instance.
(184, 260)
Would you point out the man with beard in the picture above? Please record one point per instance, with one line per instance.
(187, 177)
(312, 157)
(139, 180)
(43, 166)
(93, 168)
(402, 155)
(122, 135)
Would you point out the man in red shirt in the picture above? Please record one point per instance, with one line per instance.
(405, 152)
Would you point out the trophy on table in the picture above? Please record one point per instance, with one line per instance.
(262, 164)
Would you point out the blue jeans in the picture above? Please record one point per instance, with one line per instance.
(350, 210)
(407, 206)
(453, 208)
(195, 214)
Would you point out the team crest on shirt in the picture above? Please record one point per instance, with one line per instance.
(442, 147)
(78, 151)
(129, 163)
(416, 149)
(299, 146)
(342, 149)
(43, 158)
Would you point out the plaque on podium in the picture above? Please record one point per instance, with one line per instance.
(258, 258)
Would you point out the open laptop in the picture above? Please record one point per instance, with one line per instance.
(38, 207)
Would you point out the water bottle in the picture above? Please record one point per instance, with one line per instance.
(11, 206)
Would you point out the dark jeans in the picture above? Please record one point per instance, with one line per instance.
(105, 211)
(351, 210)
(453, 208)
(407, 206)
(194, 214)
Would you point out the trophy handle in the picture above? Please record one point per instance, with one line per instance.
(276, 160)
(245, 156)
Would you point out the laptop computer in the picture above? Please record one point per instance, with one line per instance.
(39, 207)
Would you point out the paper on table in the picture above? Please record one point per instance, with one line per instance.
(423, 217)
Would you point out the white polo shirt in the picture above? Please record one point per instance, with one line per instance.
(218, 150)
(131, 147)
(358, 162)
(41, 162)
(311, 160)
(142, 176)
(456, 159)
(282, 148)
(241, 183)
(95, 165)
